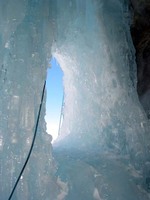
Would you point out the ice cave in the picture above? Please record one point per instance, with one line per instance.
(103, 150)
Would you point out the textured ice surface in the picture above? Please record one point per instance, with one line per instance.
(95, 51)
(102, 114)
(95, 176)
(25, 41)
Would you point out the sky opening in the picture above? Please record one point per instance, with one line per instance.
(54, 99)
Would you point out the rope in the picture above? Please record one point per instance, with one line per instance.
(30, 151)
(61, 114)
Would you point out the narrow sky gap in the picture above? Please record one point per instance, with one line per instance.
(54, 98)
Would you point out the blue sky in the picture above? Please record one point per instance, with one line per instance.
(54, 87)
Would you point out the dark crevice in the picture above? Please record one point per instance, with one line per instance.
(140, 31)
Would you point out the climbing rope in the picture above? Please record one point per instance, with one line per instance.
(30, 151)
(61, 115)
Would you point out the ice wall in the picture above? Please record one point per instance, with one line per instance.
(91, 41)
(95, 50)
(25, 43)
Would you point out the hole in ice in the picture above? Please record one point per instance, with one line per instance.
(54, 99)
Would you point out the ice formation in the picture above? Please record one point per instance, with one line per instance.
(102, 152)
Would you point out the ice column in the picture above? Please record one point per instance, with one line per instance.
(95, 50)
(25, 42)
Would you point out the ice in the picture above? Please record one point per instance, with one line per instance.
(105, 132)
(102, 109)
(95, 176)
(25, 43)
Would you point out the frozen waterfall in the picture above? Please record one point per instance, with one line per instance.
(102, 152)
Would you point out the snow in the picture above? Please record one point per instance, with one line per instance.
(104, 132)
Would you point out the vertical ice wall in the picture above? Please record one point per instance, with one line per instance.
(25, 42)
(95, 50)
(91, 41)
